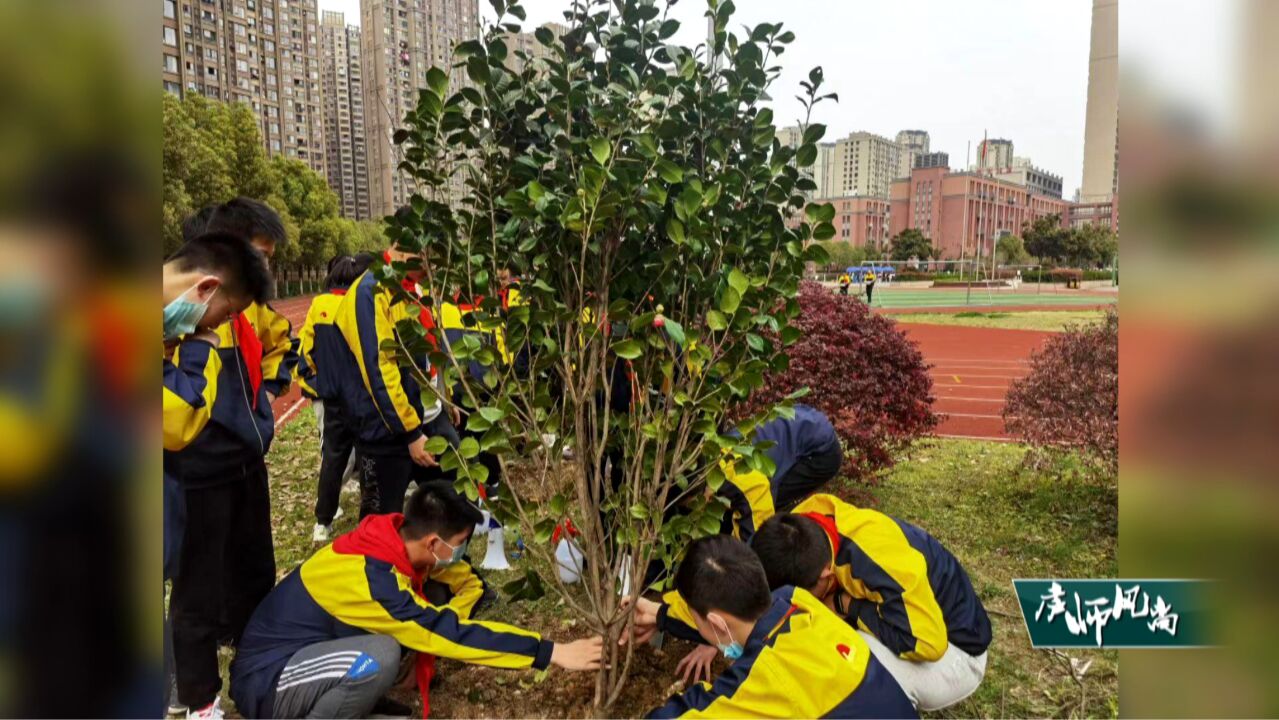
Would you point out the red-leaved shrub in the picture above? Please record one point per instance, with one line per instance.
(863, 374)
(1070, 399)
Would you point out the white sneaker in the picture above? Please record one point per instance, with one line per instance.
(212, 712)
(175, 706)
(321, 533)
(339, 513)
(351, 486)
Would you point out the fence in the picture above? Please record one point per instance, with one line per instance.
(299, 280)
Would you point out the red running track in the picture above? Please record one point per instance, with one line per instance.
(972, 369)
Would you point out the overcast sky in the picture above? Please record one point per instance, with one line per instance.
(1012, 68)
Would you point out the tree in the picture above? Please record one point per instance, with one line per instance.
(1092, 245)
(1011, 250)
(1045, 238)
(843, 254)
(911, 243)
(642, 199)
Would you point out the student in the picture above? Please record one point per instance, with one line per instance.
(844, 281)
(805, 450)
(328, 641)
(894, 583)
(391, 414)
(203, 283)
(791, 656)
(869, 279)
(227, 561)
(336, 439)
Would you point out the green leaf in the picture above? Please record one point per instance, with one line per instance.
(819, 212)
(806, 155)
(437, 445)
(438, 81)
(813, 133)
(492, 414)
(600, 150)
(535, 190)
(715, 320)
(669, 171)
(709, 522)
(675, 230)
(738, 280)
(790, 334)
(675, 331)
(468, 448)
(824, 231)
(544, 35)
(639, 512)
(558, 505)
(756, 342)
(729, 301)
(628, 349)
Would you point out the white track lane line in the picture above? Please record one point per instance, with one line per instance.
(289, 413)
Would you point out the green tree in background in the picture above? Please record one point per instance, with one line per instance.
(843, 254)
(911, 243)
(213, 152)
(1045, 238)
(1011, 250)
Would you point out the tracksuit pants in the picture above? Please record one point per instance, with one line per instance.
(227, 567)
(336, 445)
(385, 473)
(808, 475)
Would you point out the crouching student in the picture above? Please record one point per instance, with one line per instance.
(906, 594)
(329, 639)
(805, 450)
(791, 656)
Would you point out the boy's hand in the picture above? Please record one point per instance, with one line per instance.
(696, 665)
(417, 451)
(644, 624)
(585, 654)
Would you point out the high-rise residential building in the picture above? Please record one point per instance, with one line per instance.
(1101, 121)
(914, 143)
(346, 156)
(528, 44)
(864, 164)
(1039, 182)
(994, 154)
(930, 160)
(401, 41)
(264, 53)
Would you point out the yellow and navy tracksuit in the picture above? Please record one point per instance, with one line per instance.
(241, 425)
(750, 499)
(323, 311)
(339, 594)
(800, 661)
(190, 389)
(381, 400)
(907, 590)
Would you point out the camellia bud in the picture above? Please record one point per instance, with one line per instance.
(658, 321)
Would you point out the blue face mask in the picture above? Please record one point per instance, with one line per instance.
(455, 554)
(733, 650)
(182, 316)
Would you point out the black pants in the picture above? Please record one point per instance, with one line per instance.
(843, 289)
(385, 473)
(227, 567)
(806, 477)
(870, 290)
(336, 444)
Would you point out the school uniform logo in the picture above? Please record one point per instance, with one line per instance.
(845, 652)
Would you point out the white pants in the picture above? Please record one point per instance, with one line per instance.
(932, 685)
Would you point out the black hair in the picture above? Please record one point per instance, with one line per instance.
(240, 266)
(793, 550)
(435, 507)
(343, 271)
(242, 216)
(197, 223)
(720, 573)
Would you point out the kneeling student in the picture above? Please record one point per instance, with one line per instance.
(327, 641)
(894, 583)
(792, 657)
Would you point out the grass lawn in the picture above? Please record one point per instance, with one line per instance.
(1001, 520)
(1050, 320)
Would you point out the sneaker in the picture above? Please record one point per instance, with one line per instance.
(175, 706)
(211, 712)
(321, 533)
(339, 513)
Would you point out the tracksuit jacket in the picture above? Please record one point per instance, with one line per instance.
(907, 590)
(750, 500)
(808, 433)
(800, 661)
(381, 400)
(241, 423)
(363, 583)
(323, 311)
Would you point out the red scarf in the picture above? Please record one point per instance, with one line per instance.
(246, 338)
(378, 537)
